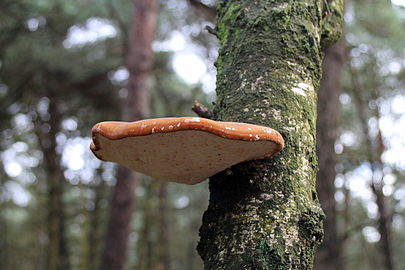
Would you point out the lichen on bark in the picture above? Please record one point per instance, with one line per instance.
(265, 214)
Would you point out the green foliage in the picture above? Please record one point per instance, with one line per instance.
(43, 63)
(374, 77)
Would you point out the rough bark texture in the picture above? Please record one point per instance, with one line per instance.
(329, 255)
(139, 61)
(264, 214)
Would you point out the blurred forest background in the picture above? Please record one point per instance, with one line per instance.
(62, 69)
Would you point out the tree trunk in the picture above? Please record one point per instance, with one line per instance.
(4, 240)
(85, 246)
(265, 213)
(119, 227)
(96, 222)
(329, 256)
(139, 61)
(163, 245)
(374, 149)
(46, 131)
(146, 247)
(377, 186)
(384, 222)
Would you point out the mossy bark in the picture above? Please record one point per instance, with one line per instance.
(265, 214)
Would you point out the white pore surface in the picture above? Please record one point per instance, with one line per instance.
(183, 156)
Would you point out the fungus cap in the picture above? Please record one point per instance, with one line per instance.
(185, 149)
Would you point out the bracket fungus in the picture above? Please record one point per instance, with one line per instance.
(184, 149)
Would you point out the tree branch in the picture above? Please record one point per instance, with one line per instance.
(201, 110)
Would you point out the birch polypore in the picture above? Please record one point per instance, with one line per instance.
(186, 149)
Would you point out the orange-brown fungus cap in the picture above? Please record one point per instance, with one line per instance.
(184, 149)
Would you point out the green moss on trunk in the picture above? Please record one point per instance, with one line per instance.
(265, 214)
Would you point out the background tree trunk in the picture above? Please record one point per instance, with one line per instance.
(265, 214)
(139, 61)
(146, 249)
(329, 255)
(46, 129)
(163, 248)
(374, 149)
(94, 234)
(85, 245)
(4, 240)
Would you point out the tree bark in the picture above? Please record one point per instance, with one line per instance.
(329, 255)
(139, 61)
(265, 214)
